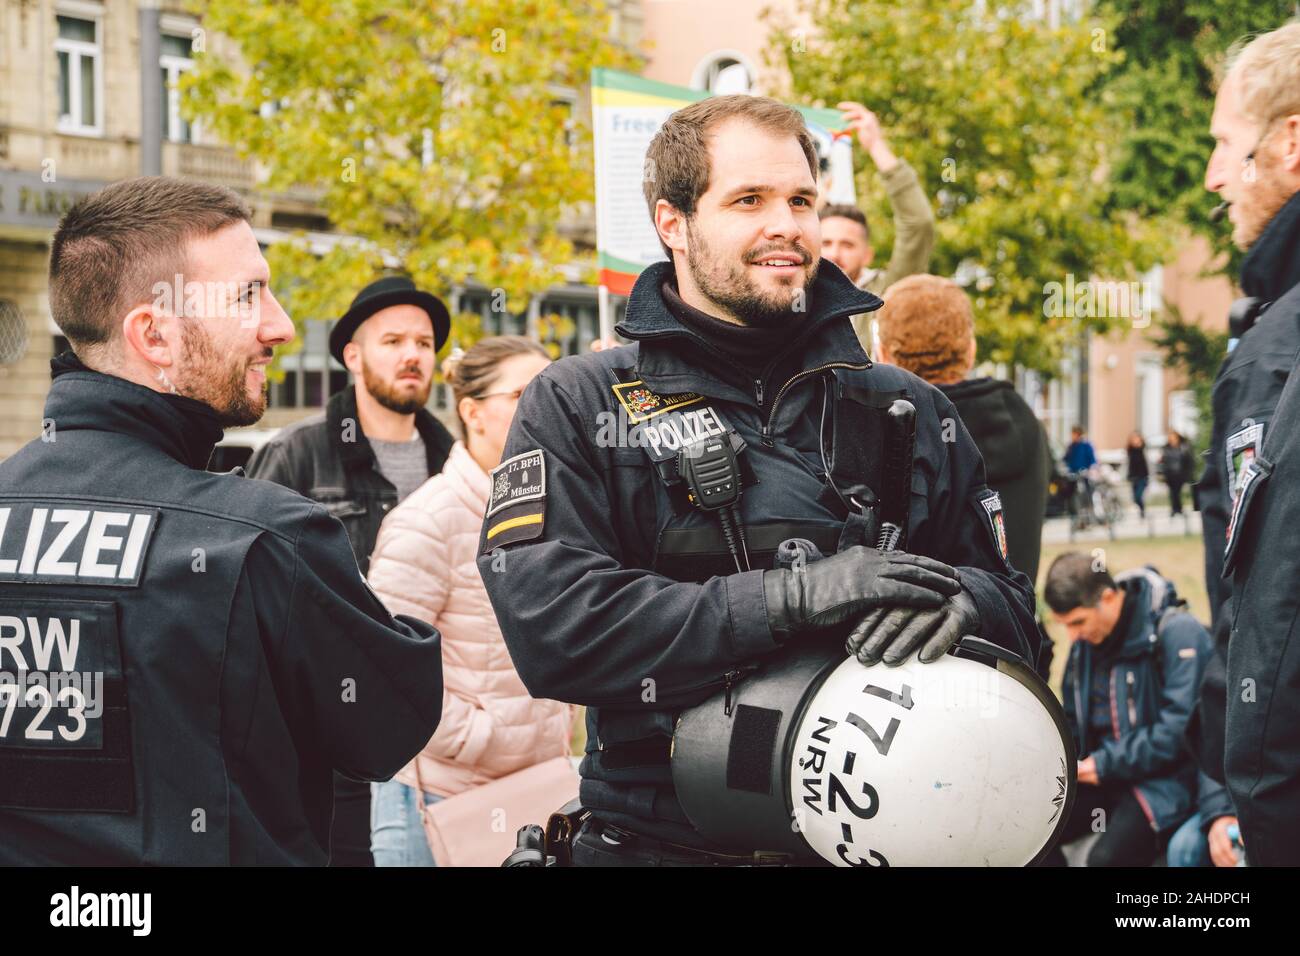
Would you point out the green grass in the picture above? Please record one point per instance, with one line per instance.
(1179, 558)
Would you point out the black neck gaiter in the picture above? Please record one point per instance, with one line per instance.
(750, 346)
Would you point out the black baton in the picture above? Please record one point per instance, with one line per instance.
(896, 483)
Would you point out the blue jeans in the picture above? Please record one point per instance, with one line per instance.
(1139, 493)
(396, 832)
(1189, 846)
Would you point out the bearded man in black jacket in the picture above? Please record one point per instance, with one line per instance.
(1249, 737)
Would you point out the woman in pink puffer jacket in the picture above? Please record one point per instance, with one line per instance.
(423, 565)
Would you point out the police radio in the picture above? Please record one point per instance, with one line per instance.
(711, 472)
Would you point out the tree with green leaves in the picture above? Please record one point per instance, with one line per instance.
(1173, 51)
(432, 135)
(1198, 353)
(1010, 129)
(1173, 54)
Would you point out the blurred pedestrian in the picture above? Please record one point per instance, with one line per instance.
(1079, 455)
(423, 566)
(1139, 471)
(927, 327)
(1175, 469)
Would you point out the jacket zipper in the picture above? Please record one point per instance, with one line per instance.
(1078, 704)
(729, 680)
(776, 402)
(1132, 707)
(1114, 706)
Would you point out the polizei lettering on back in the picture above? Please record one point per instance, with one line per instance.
(46, 543)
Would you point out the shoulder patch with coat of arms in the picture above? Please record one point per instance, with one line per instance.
(516, 508)
(1240, 449)
(991, 502)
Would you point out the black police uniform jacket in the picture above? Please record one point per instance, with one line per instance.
(613, 592)
(1246, 393)
(196, 653)
(1262, 561)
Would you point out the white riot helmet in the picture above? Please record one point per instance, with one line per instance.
(966, 761)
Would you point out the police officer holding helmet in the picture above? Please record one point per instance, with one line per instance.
(185, 657)
(630, 544)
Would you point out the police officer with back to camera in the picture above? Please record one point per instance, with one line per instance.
(373, 445)
(628, 545)
(186, 657)
(1248, 738)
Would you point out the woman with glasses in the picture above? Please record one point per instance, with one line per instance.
(423, 565)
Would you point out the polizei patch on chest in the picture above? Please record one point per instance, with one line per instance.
(664, 437)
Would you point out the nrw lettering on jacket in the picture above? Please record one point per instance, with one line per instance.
(81, 545)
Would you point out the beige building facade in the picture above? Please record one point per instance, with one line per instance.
(70, 123)
(70, 102)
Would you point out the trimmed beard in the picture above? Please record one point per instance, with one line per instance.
(733, 289)
(385, 392)
(222, 387)
(1270, 197)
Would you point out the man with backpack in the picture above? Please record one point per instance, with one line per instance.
(1130, 683)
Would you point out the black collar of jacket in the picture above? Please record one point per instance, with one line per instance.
(1272, 266)
(672, 357)
(358, 453)
(81, 398)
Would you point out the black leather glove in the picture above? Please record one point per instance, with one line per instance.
(892, 633)
(841, 587)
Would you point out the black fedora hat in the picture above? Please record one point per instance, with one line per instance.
(380, 294)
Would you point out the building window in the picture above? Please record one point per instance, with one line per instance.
(566, 99)
(582, 312)
(80, 76)
(722, 73)
(175, 59)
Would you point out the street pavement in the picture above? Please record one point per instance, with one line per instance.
(1158, 523)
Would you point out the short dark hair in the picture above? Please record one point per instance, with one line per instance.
(1075, 581)
(677, 160)
(113, 246)
(845, 211)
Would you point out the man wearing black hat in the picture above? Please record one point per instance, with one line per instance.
(374, 444)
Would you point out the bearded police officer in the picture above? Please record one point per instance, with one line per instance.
(628, 546)
(1247, 728)
(185, 658)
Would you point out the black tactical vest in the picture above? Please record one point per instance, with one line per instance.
(626, 773)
